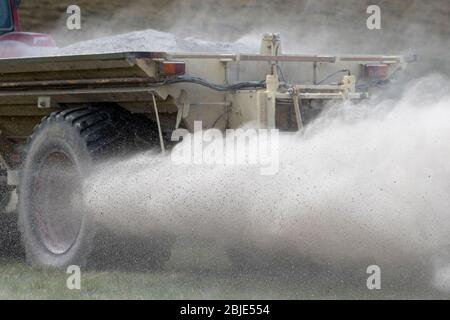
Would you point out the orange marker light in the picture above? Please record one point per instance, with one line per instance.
(171, 68)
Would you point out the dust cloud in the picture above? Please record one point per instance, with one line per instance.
(366, 181)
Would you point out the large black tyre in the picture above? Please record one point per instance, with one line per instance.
(57, 231)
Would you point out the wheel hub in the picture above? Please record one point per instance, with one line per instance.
(57, 202)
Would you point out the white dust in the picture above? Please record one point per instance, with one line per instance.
(364, 182)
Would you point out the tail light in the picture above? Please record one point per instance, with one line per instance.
(375, 71)
(172, 68)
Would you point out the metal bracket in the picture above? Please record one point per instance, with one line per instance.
(45, 103)
(297, 109)
(183, 106)
(161, 138)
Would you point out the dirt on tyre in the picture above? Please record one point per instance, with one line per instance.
(56, 227)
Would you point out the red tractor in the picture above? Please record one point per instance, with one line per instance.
(13, 42)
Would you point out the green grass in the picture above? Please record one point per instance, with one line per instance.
(196, 273)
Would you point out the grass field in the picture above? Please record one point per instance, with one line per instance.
(197, 270)
(199, 273)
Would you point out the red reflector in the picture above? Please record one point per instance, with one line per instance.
(170, 68)
(375, 71)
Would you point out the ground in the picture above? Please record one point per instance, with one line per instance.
(201, 272)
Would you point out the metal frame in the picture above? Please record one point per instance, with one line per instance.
(77, 91)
